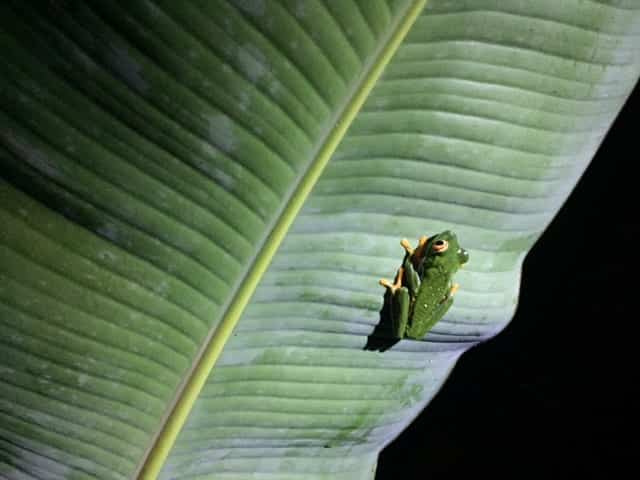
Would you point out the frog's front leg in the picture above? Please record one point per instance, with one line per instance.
(400, 304)
(411, 277)
(416, 255)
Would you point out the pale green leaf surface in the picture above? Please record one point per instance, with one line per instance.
(482, 123)
(146, 150)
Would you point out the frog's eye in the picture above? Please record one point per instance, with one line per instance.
(440, 246)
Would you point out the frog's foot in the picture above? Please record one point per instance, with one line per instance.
(395, 285)
(407, 246)
(449, 296)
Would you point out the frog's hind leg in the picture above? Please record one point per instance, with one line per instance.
(400, 317)
(400, 302)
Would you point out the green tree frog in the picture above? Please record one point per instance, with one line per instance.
(423, 290)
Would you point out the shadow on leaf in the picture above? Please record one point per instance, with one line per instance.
(382, 339)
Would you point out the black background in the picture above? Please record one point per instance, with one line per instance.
(553, 395)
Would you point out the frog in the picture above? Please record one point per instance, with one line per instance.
(423, 289)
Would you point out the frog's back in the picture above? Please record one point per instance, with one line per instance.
(429, 298)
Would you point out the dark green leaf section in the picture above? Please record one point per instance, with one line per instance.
(482, 123)
(146, 148)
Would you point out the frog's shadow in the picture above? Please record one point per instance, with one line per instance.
(381, 339)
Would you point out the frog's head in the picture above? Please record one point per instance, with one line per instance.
(444, 250)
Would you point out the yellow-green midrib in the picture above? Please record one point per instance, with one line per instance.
(477, 126)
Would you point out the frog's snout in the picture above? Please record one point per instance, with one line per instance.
(463, 256)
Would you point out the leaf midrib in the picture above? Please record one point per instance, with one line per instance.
(189, 389)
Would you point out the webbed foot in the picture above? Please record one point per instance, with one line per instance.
(395, 285)
(407, 246)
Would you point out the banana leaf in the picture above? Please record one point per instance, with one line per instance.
(197, 200)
